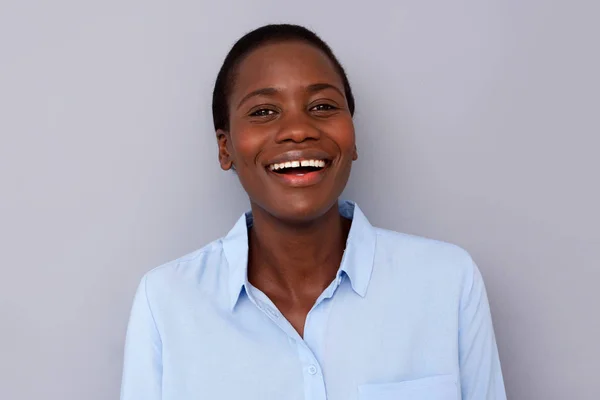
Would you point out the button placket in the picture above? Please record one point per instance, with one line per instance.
(314, 384)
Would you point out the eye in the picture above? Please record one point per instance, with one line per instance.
(263, 112)
(323, 107)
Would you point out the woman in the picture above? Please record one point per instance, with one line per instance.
(304, 299)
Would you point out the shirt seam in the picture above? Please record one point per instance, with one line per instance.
(150, 309)
(184, 259)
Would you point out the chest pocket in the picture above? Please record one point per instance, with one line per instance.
(442, 387)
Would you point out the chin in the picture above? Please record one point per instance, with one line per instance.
(300, 209)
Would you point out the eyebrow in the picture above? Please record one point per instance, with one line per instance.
(258, 92)
(315, 87)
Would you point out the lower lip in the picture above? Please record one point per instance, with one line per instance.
(300, 180)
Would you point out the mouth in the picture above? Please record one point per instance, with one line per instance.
(298, 173)
(298, 167)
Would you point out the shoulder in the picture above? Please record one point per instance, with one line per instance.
(424, 271)
(178, 275)
(424, 257)
(421, 248)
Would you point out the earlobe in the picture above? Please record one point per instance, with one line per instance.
(355, 154)
(224, 156)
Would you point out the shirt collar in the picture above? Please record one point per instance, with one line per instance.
(357, 262)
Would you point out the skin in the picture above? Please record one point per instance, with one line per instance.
(287, 96)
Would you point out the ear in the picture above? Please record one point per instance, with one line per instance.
(355, 154)
(225, 158)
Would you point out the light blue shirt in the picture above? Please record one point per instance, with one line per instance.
(405, 318)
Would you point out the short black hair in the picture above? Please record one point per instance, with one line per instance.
(253, 40)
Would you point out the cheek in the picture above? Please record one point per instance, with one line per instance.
(342, 133)
(247, 143)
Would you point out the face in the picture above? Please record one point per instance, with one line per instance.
(291, 137)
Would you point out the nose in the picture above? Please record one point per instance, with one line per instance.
(297, 128)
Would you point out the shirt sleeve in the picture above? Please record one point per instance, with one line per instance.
(480, 371)
(142, 370)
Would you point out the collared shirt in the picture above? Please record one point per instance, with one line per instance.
(405, 318)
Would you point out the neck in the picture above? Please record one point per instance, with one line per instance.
(293, 259)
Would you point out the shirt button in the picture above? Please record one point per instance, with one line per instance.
(312, 370)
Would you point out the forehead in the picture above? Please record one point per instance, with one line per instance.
(284, 65)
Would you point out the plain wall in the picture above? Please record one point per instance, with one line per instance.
(477, 122)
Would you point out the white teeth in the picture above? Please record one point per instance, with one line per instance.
(296, 164)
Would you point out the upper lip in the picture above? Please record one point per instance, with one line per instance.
(299, 155)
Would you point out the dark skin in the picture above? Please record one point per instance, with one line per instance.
(288, 96)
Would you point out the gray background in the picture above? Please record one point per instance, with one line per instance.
(477, 124)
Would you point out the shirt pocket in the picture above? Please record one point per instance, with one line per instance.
(440, 387)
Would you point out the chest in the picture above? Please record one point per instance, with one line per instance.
(351, 347)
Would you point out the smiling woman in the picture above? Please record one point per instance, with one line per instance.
(304, 299)
(287, 104)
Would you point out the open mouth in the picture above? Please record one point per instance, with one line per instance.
(299, 167)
